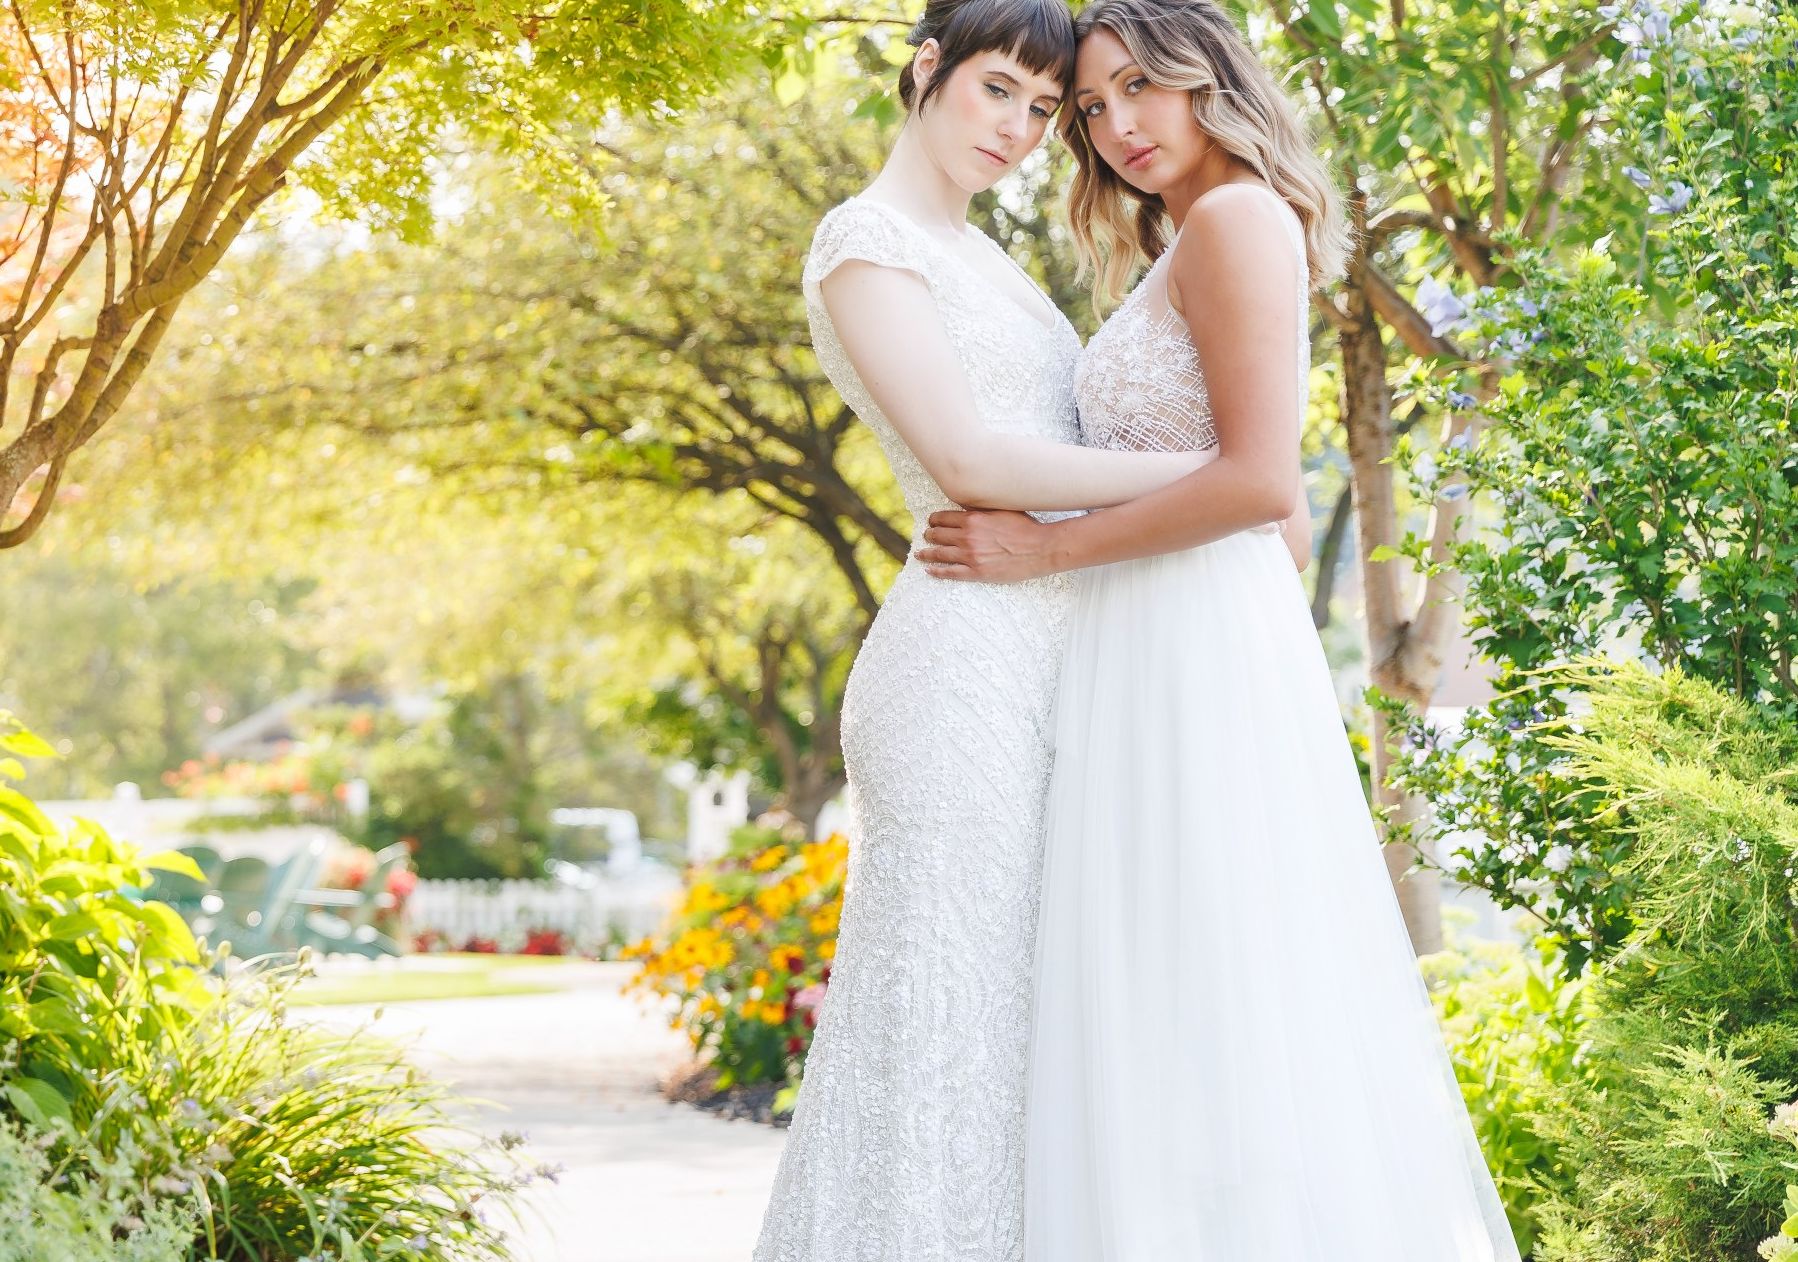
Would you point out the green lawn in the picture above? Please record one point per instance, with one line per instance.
(446, 976)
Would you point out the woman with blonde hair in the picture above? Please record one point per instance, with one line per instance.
(1233, 1056)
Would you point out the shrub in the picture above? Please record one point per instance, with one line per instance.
(1643, 457)
(746, 957)
(1693, 1025)
(96, 1214)
(319, 1142)
(285, 1140)
(1514, 1026)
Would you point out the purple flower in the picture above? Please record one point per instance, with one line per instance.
(1528, 306)
(1609, 12)
(1676, 200)
(1646, 27)
(1460, 400)
(1638, 177)
(1438, 304)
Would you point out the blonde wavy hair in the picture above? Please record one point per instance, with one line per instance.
(1192, 45)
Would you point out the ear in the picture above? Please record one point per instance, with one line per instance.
(924, 63)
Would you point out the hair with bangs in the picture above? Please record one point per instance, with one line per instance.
(1038, 34)
(1192, 45)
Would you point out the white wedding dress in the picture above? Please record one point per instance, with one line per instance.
(1233, 1058)
(907, 1144)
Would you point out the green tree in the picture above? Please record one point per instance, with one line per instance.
(144, 139)
(1459, 127)
(130, 679)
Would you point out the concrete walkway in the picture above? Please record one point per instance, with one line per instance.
(576, 1072)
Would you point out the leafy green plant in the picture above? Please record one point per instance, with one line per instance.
(1664, 1145)
(328, 1144)
(1513, 1022)
(96, 985)
(68, 1213)
(1642, 455)
(282, 1139)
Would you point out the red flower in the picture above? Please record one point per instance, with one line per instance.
(795, 1045)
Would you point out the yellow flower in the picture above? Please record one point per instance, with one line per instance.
(825, 921)
(769, 859)
(704, 899)
(760, 980)
(787, 958)
(775, 901)
(827, 950)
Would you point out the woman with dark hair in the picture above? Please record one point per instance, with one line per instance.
(907, 1141)
(1234, 1058)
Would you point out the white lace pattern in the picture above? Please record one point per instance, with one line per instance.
(907, 1142)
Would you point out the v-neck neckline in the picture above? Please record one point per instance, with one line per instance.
(1049, 325)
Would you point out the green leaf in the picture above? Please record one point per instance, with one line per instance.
(1326, 18)
(37, 1101)
(27, 745)
(174, 861)
(790, 87)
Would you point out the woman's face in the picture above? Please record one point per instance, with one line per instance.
(989, 115)
(1145, 133)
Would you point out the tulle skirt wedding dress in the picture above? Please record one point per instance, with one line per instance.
(1234, 1058)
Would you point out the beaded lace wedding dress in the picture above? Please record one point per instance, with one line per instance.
(907, 1141)
(1233, 1056)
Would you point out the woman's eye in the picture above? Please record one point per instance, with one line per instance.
(1136, 85)
(998, 91)
(1039, 111)
(1093, 110)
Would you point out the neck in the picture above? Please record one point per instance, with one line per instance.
(1216, 166)
(913, 181)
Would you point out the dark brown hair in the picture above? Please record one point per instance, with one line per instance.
(1038, 33)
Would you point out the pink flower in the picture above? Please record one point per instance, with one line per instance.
(810, 997)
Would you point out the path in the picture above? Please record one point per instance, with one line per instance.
(576, 1071)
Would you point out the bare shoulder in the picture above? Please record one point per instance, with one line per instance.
(1236, 231)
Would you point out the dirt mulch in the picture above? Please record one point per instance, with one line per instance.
(697, 1084)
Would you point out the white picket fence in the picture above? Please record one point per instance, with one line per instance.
(505, 911)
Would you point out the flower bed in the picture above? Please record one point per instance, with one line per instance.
(746, 957)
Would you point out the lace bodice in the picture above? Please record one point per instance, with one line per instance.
(1019, 364)
(1140, 386)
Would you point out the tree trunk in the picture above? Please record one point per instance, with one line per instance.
(807, 799)
(1367, 417)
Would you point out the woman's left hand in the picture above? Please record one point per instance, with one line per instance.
(986, 546)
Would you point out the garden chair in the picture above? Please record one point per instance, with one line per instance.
(343, 920)
(233, 910)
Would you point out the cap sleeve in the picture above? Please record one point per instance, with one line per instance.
(866, 231)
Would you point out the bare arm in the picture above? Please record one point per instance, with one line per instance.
(1295, 532)
(890, 327)
(1239, 257)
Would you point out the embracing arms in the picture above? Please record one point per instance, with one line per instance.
(1238, 256)
(890, 327)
